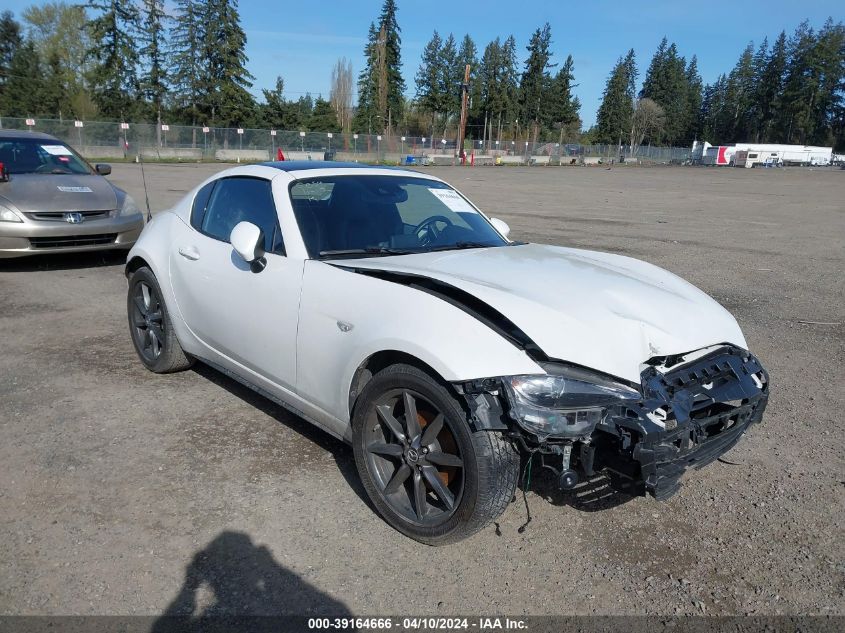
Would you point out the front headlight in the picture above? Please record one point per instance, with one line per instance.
(129, 207)
(7, 215)
(567, 402)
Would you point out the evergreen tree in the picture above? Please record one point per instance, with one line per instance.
(154, 79)
(510, 79)
(429, 96)
(114, 75)
(380, 83)
(770, 87)
(800, 87)
(187, 44)
(758, 67)
(737, 114)
(450, 79)
(666, 84)
(712, 111)
(829, 98)
(55, 94)
(613, 122)
(692, 108)
(324, 117)
(368, 81)
(536, 80)
(563, 106)
(226, 78)
(24, 87)
(395, 88)
(10, 41)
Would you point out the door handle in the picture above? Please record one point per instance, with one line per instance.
(189, 252)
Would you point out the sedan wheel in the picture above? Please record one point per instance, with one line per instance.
(427, 472)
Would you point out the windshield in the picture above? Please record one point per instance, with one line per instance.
(40, 156)
(386, 215)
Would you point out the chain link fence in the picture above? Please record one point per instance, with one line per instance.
(110, 140)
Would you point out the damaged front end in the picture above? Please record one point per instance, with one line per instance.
(686, 412)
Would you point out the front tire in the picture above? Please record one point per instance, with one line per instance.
(429, 475)
(150, 325)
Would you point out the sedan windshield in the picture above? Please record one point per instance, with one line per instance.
(40, 156)
(355, 216)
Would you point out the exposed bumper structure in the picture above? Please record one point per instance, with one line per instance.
(691, 413)
(689, 416)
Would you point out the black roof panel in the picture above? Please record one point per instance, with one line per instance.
(302, 165)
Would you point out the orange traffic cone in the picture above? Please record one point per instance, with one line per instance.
(279, 154)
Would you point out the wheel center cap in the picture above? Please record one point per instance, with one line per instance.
(412, 455)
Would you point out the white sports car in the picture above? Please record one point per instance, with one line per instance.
(384, 307)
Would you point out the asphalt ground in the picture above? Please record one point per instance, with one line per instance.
(125, 492)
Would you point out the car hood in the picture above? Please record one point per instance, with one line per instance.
(603, 311)
(58, 192)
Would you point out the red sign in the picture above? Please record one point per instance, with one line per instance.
(721, 159)
(30, 122)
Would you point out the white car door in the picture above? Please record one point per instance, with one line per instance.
(248, 319)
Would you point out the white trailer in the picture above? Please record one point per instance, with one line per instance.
(752, 154)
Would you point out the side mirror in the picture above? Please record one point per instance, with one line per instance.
(248, 242)
(501, 226)
(102, 169)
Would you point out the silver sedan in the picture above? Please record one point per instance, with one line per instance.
(53, 201)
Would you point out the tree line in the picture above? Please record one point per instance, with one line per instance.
(124, 60)
(792, 91)
(132, 60)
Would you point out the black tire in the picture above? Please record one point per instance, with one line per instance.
(150, 326)
(479, 489)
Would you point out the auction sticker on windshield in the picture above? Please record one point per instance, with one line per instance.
(57, 150)
(453, 200)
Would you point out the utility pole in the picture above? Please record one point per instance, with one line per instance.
(464, 99)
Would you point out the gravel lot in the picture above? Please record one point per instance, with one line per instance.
(124, 492)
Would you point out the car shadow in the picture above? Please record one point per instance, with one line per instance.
(340, 451)
(63, 261)
(235, 584)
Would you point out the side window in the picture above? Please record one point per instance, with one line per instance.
(243, 199)
(200, 204)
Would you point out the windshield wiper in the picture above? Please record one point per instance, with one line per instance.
(460, 246)
(369, 250)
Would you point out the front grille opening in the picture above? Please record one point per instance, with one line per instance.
(59, 216)
(67, 241)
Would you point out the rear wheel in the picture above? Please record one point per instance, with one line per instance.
(150, 325)
(426, 471)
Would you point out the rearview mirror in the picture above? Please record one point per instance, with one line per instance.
(248, 242)
(501, 226)
(102, 169)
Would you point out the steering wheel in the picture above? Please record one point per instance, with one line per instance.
(429, 226)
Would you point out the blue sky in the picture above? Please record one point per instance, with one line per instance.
(302, 40)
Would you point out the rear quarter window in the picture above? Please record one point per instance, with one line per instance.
(200, 205)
